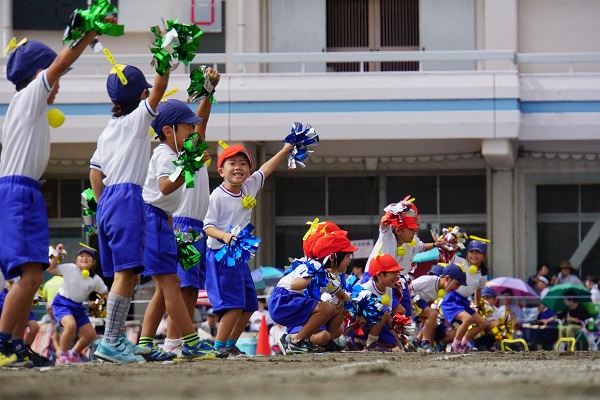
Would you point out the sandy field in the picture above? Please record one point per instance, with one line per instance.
(348, 375)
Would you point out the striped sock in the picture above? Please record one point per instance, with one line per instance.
(18, 343)
(192, 339)
(219, 344)
(117, 308)
(146, 341)
(230, 343)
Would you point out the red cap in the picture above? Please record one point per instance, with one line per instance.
(383, 263)
(409, 222)
(232, 151)
(333, 242)
(321, 229)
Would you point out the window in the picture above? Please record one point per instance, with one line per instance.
(353, 196)
(373, 25)
(49, 15)
(311, 191)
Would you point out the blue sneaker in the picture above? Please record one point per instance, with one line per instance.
(158, 354)
(117, 352)
(197, 352)
(137, 350)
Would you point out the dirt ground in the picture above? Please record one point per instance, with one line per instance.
(350, 375)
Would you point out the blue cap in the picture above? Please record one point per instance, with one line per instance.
(172, 112)
(27, 59)
(437, 270)
(136, 83)
(87, 250)
(488, 292)
(455, 272)
(478, 245)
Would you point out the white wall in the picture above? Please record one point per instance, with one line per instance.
(558, 26)
(297, 26)
(447, 25)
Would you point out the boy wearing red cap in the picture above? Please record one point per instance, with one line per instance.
(35, 70)
(231, 289)
(118, 170)
(397, 237)
(312, 323)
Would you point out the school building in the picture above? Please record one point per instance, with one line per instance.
(486, 111)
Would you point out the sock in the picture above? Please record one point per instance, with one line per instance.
(456, 342)
(219, 344)
(4, 341)
(372, 339)
(146, 341)
(464, 340)
(64, 353)
(173, 343)
(18, 343)
(117, 308)
(192, 339)
(73, 354)
(230, 343)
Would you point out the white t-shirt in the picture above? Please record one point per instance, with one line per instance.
(25, 133)
(426, 287)
(474, 281)
(300, 271)
(225, 209)
(194, 201)
(161, 164)
(76, 287)
(390, 245)
(371, 287)
(123, 149)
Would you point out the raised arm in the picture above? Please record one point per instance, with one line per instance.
(158, 90)
(205, 105)
(270, 166)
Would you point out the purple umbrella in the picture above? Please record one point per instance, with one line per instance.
(518, 287)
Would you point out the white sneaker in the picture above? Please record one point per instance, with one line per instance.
(173, 346)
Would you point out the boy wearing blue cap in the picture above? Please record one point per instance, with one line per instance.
(476, 269)
(457, 309)
(118, 171)
(35, 70)
(162, 195)
(190, 215)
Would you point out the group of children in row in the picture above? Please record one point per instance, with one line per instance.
(311, 303)
(140, 199)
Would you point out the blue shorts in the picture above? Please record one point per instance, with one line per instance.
(229, 287)
(453, 304)
(61, 306)
(440, 331)
(290, 309)
(160, 254)
(195, 276)
(24, 228)
(121, 217)
(385, 336)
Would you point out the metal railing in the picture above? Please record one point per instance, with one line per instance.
(361, 57)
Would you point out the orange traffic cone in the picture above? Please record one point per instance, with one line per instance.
(263, 347)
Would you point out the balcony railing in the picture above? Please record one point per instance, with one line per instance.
(240, 62)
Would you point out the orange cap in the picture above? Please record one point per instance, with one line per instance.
(333, 242)
(383, 263)
(232, 151)
(321, 229)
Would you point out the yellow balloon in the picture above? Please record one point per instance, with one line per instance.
(441, 293)
(401, 251)
(385, 300)
(413, 243)
(473, 269)
(85, 273)
(55, 117)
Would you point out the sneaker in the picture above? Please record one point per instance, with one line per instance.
(303, 346)
(117, 352)
(378, 347)
(355, 343)
(236, 352)
(27, 354)
(9, 358)
(135, 349)
(425, 347)
(197, 352)
(282, 343)
(63, 359)
(333, 347)
(461, 348)
(222, 352)
(158, 354)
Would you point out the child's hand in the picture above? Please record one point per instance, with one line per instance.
(213, 76)
(111, 19)
(228, 238)
(288, 147)
(361, 320)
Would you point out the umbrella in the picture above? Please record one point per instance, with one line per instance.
(266, 276)
(554, 300)
(518, 287)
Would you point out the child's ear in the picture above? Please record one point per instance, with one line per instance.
(167, 131)
(220, 171)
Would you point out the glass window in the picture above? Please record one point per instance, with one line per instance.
(462, 194)
(300, 196)
(557, 199)
(590, 198)
(50, 193)
(590, 265)
(353, 196)
(289, 244)
(557, 241)
(70, 198)
(422, 188)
